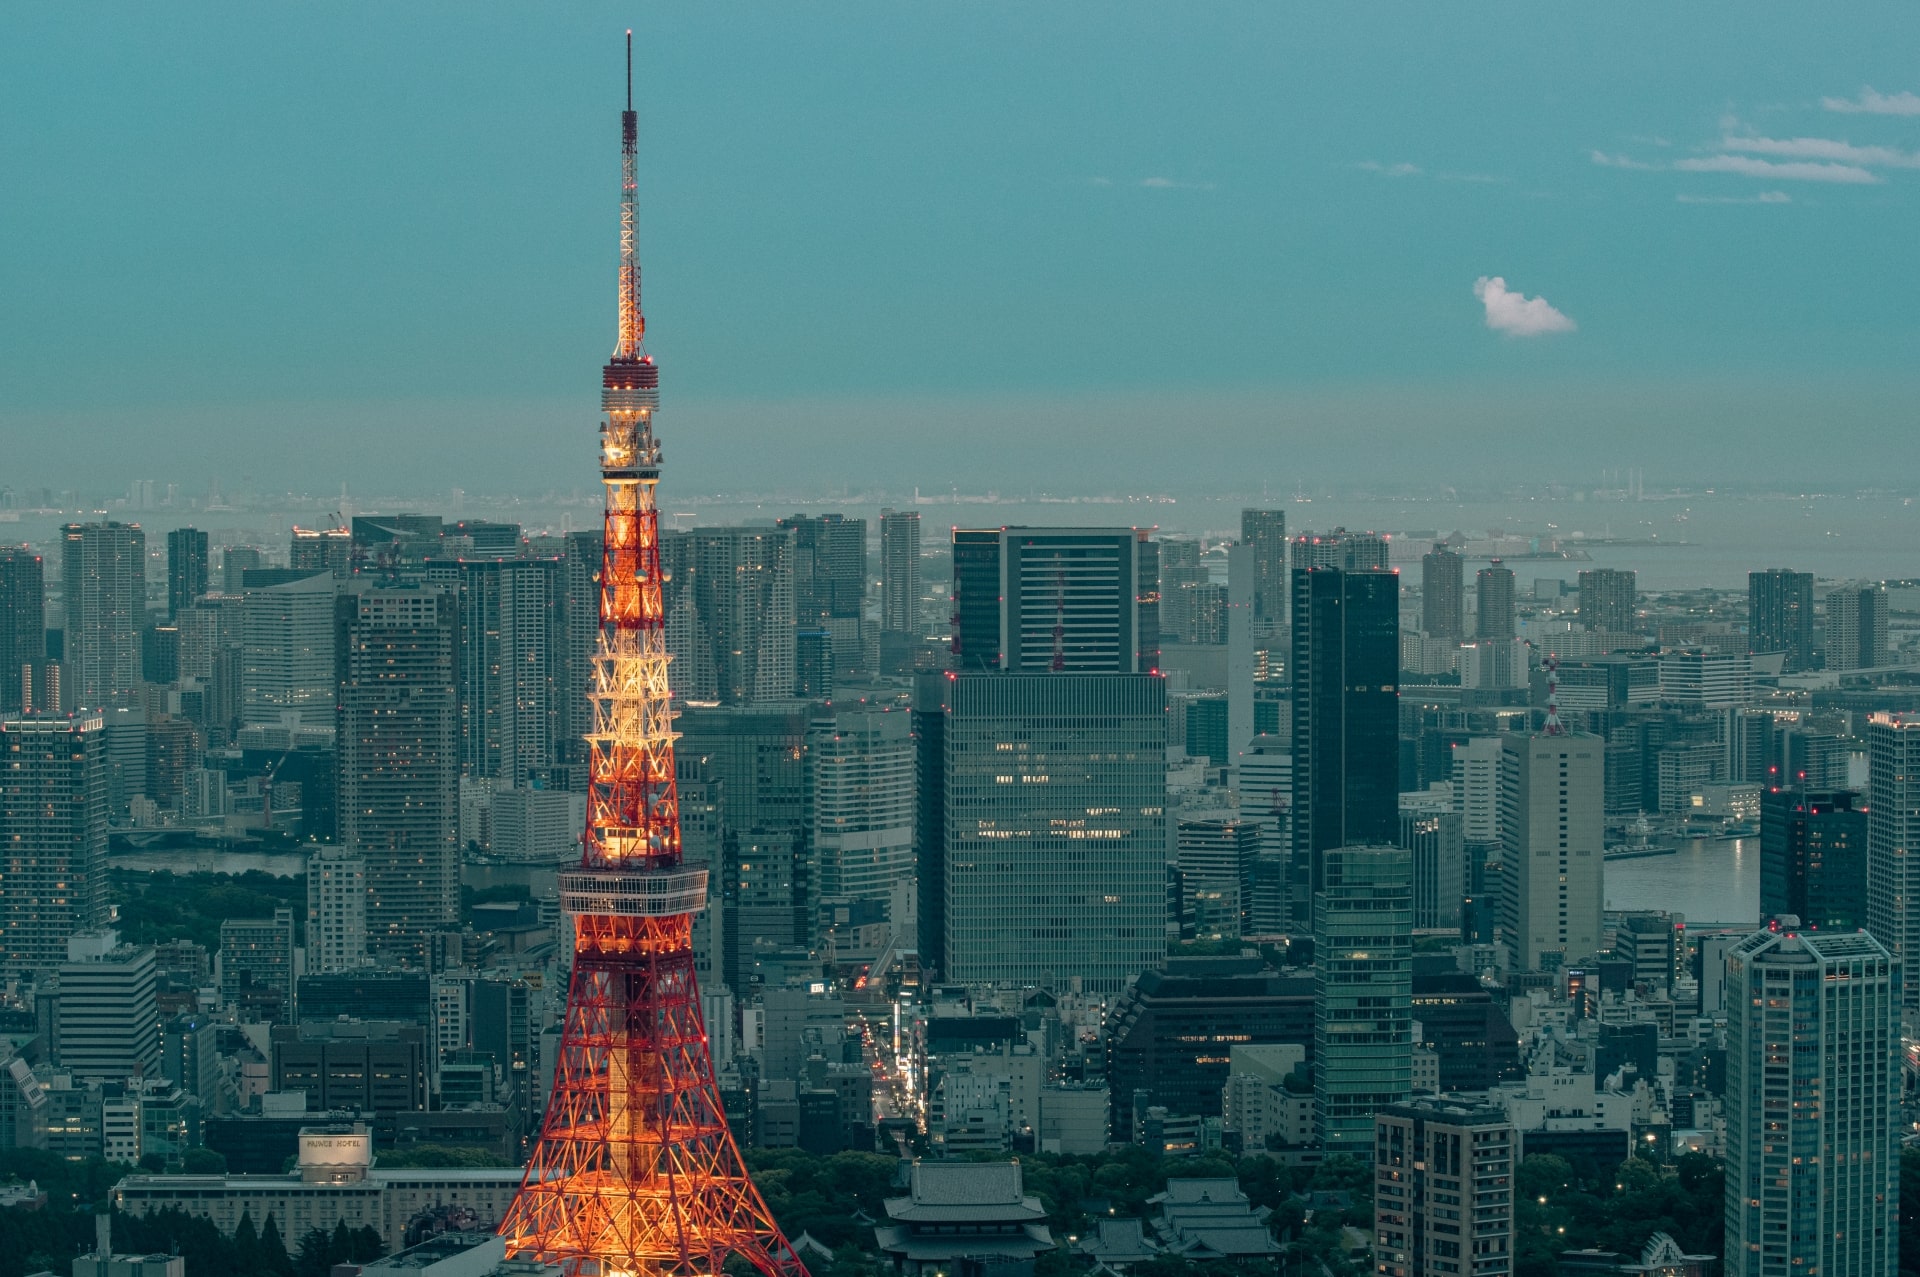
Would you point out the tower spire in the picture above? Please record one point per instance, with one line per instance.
(633, 324)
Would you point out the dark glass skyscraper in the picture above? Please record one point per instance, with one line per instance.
(23, 620)
(1780, 615)
(1493, 617)
(1607, 600)
(1346, 718)
(1266, 532)
(1442, 584)
(1813, 857)
(186, 569)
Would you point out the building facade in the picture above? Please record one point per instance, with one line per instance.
(1780, 616)
(53, 836)
(1346, 718)
(336, 910)
(1857, 628)
(1442, 594)
(1813, 1079)
(1553, 836)
(398, 744)
(103, 568)
(1074, 600)
(1055, 792)
(23, 622)
(1362, 992)
(1443, 1184)
(1813, 857)
(1893, 843)
(1607, 601)
(287, 653)
(900, 572)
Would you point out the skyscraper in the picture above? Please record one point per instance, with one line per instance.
(186, 569)
(1054, 858)
(1493, 600)
(103, 568)
(730, 614)
(53, 837)
(1553, 828)
(1813, 857)
(1346, 718)
(1442, 590)
(1443, 1186)
(1607, 601)
(1071, 600)
(235, 562)
(1780, 615)
(23, 621)
(1362, 992)
(1352, 551)
(1857, 628)
(830, 582)
(1264, 533)
(288, 634)
(336, 910)
(580, 606)
(1893, 843)
(107, 1021)
(900, 572)
(321, 550)
(861, 793)
(398, 742)
(512, 657)
(1811, 1102)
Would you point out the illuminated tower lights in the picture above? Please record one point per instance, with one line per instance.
(635, 1171)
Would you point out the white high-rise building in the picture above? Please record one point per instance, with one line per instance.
(1893, 842)
(1553, 830)
(861, 763)
(287, 653)
(103, 567)
(1476, 789)
(900, 572)
(1812, 1102)
(107, 1022)
(336, 910)
(1857, 628)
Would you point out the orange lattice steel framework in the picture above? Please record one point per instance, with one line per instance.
(635, 1173)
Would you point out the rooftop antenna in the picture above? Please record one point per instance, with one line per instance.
(1554, 727)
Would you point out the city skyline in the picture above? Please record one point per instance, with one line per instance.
(858, 221)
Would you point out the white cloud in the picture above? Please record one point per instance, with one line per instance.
(1389, 170)
(1619, 161)
(1823, 148)
(1872, 103)
(1100, 181)
(1764, 197)
(1797, 171)
(1516, 314)
(1169, 184)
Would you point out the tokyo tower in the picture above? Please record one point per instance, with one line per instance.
(635, 1174)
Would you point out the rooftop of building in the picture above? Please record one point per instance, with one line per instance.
(957, 1191)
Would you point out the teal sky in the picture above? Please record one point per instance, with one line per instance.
(1063, 245)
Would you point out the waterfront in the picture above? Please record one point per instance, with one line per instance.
(1707, 881)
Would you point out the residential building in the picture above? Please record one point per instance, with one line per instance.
(1362, 991)
(1812, 1183)
(1553, 836)
(336, 910)
(23, 622)
(1443, 1184)
(256, 966)
(1857, 628)
(321, 550)
(1493, 602)
(730, 614)
(1893, 844)
(1074, 600)
(1054, 797)
(186, 569)
(1348, 551)
(1813, 857)
(1346, 717)
(900, 572)
(1607, 601)
(1264, 533)
(103, 569)
(1780, 616)
(53, 837)
(1443, 594)
(398, 745)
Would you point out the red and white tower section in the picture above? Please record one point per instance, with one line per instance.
(635, 1172)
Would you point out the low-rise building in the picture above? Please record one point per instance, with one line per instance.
(962, 1211)
(335, 1181)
